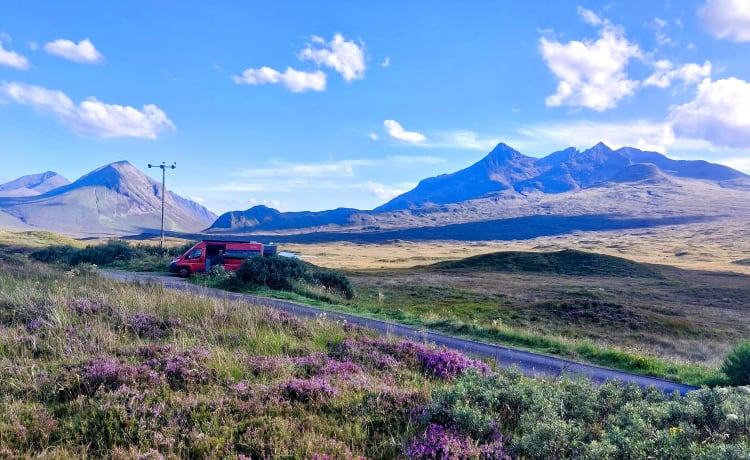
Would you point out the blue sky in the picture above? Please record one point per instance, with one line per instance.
(326, 104)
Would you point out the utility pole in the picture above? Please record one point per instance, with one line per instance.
(163, 167)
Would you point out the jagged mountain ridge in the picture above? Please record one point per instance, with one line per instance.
(114, 199)
(506, 183)
(564, 171)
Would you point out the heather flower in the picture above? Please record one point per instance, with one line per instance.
(102, 371)
(440, 443)
(187, 367)
(34, 324)
(304, 391)
(147, 325)
(86, 307)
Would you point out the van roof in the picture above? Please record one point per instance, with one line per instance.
(227, 240)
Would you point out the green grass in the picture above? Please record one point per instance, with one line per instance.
(565, 262)
(93, 368)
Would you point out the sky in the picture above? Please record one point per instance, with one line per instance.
(308, 106)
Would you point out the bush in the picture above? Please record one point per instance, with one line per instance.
(289, 274)
(736, 365)
(55, 254)
(334, 281)
(275, 272)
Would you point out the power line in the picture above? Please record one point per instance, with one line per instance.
(163, 167)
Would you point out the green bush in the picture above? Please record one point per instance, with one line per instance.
(105, 254)
(274, 272)
(290, 274)
(62, 254)
(334, 281)
(736, 365)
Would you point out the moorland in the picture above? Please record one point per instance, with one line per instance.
(95, 368)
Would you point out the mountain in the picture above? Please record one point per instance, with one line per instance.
(505, 184)
(114, 199)
(33, 184)
(500, 170)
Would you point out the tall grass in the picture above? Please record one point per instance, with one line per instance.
(93, 368)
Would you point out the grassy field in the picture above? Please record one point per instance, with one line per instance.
(659, 320)
(93, 368)
(676, 321)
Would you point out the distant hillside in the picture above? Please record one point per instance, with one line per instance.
(626, 183)
(33, 184)
(271, 219)
(566, 262)
(114, 199)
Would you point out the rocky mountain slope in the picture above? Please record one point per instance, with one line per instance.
(114, 199)
(626, 183)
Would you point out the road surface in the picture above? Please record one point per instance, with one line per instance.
(532, 364)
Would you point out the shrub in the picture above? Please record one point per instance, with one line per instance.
(274, 272)
(55, 254)
(736, 365)
(334, 281)
(288, 274)
(105, 254)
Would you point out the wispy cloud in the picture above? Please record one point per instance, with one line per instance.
(666, 73)
(344, 56)
(294, 80)
(11, 58)
(465, 139)
(343, 168)
(396, 131)
(643, 134)
(91, 117)
(83, 52)
(727, 19)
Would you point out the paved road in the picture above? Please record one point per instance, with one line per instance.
(532, 364)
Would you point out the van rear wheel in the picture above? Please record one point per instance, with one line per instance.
(183, 272)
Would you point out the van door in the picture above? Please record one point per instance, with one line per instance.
(214, 253)
(195, 259)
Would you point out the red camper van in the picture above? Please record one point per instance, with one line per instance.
(204, 255)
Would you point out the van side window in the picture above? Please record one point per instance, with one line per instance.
(196, 254)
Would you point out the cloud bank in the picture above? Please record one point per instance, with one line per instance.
(91, 117)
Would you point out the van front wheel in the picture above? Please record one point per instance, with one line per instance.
(183, 272)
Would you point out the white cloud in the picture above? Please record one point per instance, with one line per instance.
(12, 59)
(727, 19)
(396, 131)
(92, 116)
(665, 73)
(720, 114)
(294, 80)
(84, 52)
(373, 136)
(346, 57)
(589, 17)
(386, 62)
(591, 74)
